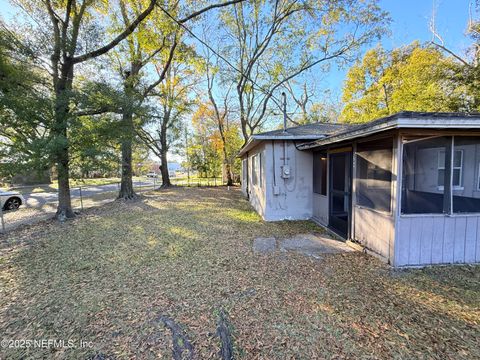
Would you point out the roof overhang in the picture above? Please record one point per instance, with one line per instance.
(437, 123)
(257, 139)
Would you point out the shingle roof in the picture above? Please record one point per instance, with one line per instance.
(316, 129)
(306, 133)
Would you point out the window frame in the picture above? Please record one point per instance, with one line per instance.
(257, 170)
(260, 170)
(254, 169)
(460, 168)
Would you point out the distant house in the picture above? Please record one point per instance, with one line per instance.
(406, 187)
(172, 167)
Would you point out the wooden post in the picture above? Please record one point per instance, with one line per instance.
(1, 215)
(81, 198)
(447, 188)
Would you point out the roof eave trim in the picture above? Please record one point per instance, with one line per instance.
(287, 137)
(254, 139)
(412, 123)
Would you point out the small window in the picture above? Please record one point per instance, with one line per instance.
(320, 173)
(244, 171)
(257, 169)
(457, 169)
(260, 169)
(254, 169)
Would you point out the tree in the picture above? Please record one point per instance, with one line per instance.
(269, 48)
(310, 105)
(170, 104)
(154, 43)
(152, 39)
(67, 30)
(467, 72)
(24, 120)
(413, 77)
(67, 34)
(221, 114)
(208, 148)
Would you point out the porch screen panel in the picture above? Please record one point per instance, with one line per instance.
(466, 174)
(424, 175)
(320, 173)
(374, 174)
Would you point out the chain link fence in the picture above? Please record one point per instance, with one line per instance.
(41, 202)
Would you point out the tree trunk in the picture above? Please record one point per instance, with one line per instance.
(126, 186)
(61, 150)
(64, 208)
(164, 170)
(228, 169)
(164, 148)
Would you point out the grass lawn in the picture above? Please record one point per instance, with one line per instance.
(185, 253)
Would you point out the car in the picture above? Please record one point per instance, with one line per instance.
(11, 200)
(152, 175)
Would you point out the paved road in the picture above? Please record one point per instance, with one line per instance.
(41, 198)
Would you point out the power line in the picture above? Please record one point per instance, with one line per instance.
(275, 100)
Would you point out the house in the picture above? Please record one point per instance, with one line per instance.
(173, 167)
(406, 187)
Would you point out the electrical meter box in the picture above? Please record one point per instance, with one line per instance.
(286, 171)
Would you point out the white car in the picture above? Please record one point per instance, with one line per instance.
(152, 175)
(11, 200)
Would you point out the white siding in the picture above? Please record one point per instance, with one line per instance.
(437, 239)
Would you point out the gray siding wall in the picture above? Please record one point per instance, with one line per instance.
(437, 239)
(294, 198)
(320, 208)
(375, 231)
(256, 192)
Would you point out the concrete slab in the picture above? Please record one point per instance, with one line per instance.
(264, 245)
(314, 245)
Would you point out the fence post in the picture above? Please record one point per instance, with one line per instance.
(81, 198)
(1, 215)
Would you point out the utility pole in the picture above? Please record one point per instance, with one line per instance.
(186, 154)
(284, 97)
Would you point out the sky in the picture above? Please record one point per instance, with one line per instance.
(410, 22)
